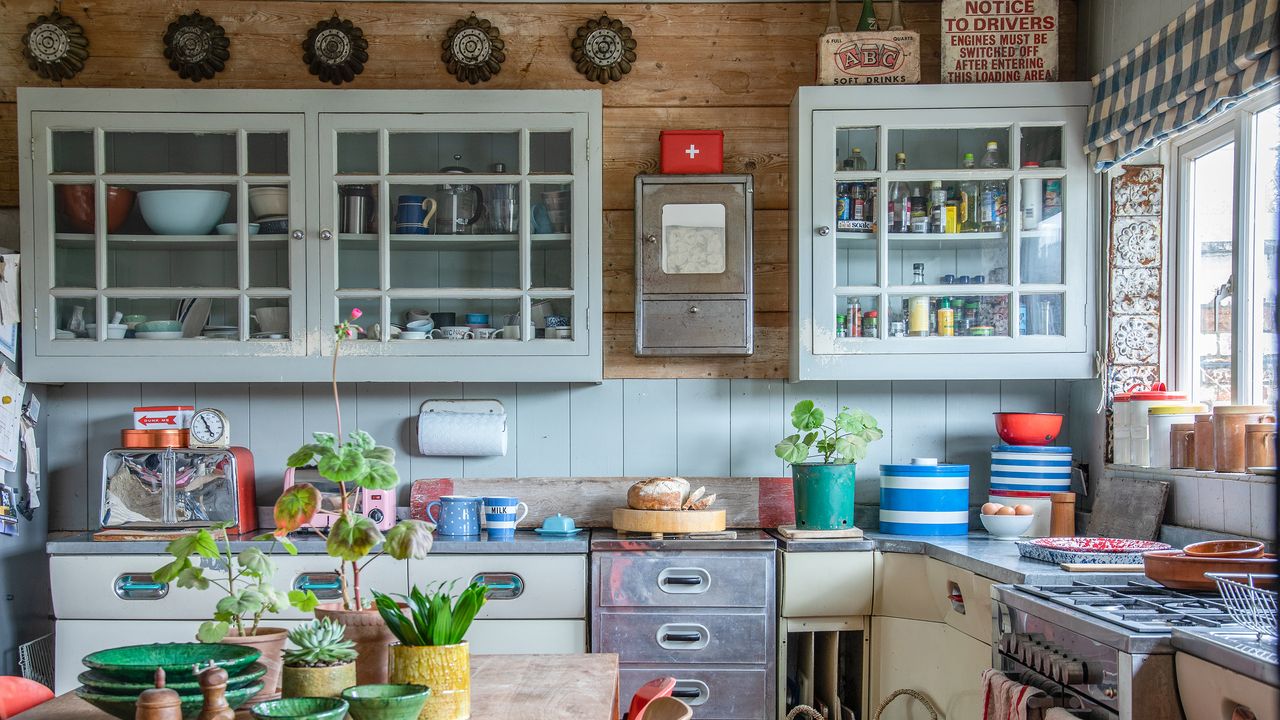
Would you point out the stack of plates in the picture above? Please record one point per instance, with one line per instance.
(116, 677)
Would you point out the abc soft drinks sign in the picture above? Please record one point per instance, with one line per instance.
(890, 57)
(999, 41)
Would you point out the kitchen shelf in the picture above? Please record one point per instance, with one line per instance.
(163, 242)
(461, 242)
(900, 237)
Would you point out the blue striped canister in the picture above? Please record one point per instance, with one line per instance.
(924, 498)
(1031, 468)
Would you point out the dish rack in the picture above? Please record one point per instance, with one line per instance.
(1250, 605)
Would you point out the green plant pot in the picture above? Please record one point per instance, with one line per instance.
(823, 496)
(386, 702)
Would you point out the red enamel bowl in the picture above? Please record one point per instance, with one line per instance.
(1018, 428)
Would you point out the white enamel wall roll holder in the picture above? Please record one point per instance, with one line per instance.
(469, 428)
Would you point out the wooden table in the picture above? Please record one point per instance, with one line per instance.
(547, 687)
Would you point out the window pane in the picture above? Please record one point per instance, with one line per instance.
(1210, 204)
(1266, 216)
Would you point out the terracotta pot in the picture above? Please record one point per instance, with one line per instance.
(1229, 423)
(1260, 445)
(77, 203)
(327, 681)
(366, 629)
(446, 669)
(270, 642)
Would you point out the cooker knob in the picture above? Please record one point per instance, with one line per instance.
(1072, 672)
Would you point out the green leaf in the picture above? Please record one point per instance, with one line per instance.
(193, 578)
(848, 422)
(844, 450)
(808, 439)
(200, 542)
(352, 537)
(325, 440)
(397, 623)
(288, 545)
(212, 632)
(380, 476)
(806, 416)
(295, 506)
(242, 602)
(304, 455)
(256, 563)
(409, 539)
(362, 441)
(304, 600)
(792, 450)
(347, 465)
(472, 599)
(273, 600)
(380, 452)
(169, 572)
(872, 434)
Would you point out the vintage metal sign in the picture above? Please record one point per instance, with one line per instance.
(999, 41)
(890, 57)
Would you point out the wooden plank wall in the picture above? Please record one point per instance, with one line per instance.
(733, 66)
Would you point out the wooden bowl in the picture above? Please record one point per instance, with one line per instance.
(1225, 549)
(1179, 571)
(77, 202)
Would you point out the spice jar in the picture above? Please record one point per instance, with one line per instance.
(1182, 448)
(1260, 445)
(1203, 440)
(1229, 423)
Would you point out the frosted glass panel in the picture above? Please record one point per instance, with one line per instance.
(693, 238)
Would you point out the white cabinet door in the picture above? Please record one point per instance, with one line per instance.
(522, 586)
(942, 663)
(516, 637)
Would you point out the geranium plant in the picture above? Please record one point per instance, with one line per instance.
(357, 463)
(840, 441)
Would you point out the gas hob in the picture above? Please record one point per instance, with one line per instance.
(1138, 606)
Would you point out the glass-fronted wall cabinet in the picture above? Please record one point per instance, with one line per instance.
(227, 239)
(945, 236)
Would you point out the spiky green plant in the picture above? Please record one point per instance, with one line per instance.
(432, 618)
(319, 643)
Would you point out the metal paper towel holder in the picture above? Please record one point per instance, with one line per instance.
(483, 407)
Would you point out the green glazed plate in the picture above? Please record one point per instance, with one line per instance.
(101, 682)
(303, 708)
(124, 707)
(139, 662)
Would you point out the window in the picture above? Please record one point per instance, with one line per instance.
(1227, 210)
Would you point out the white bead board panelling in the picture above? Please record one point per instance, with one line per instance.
(701, 428)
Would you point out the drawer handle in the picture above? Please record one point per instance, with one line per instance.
(502, 585)
(679, 580)
(956, 597)
(682, 637)
(139, 586)
(694, 310)
(686, 580)
(693, 692)
(326, 585)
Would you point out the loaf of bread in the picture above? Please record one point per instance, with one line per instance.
(660, 493)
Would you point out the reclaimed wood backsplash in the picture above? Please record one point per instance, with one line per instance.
(733, 66)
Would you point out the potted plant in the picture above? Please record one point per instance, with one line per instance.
(823, 489)
(359, 462)
(431, 649)
(322, 662)
(249, 596)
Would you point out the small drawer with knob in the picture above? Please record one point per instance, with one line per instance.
(736, 637)
(729, 580)
(709, 326)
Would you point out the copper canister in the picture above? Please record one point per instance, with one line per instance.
(1203, 442)
(1229, 423)
(1182, 446)
(168, 437)
(1260, 445)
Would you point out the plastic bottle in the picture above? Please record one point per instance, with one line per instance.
(946, 318)
(969, 194)
(993, 211)
(918, 306)
(855, 161)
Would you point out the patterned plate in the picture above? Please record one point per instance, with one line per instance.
(1099, 545)
(1088, 551)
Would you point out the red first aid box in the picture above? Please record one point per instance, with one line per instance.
(691, 152)
(162, 417)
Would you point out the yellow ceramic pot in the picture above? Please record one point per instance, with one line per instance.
(445, 669)
(327, 681)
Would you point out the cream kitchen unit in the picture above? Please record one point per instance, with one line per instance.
(483, 206)
(944, 234)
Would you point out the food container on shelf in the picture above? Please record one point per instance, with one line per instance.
(1160, 421)
(1202, 441)
(1034, 468)
(1229, 423)
(1260, 445)
(173, 488)
(1121, 441)
(1182, 445)
(156, 438)
(686, 152)
(155, 417)
(924, 498)
(1135, 419)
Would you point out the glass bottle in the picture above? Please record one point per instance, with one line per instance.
(895, 17)
(993, 211)
(918, 306)
(969, 200)
(76, 323)
(868, 20)
(946, 318)
(840, 329)
(858, 207)
(900, 203)
(937, 207)
(855, 161)
(919, 210)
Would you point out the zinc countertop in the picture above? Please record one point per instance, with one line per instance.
(526, 542)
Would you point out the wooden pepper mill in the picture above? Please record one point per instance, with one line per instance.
(159, 702)
(213, 685)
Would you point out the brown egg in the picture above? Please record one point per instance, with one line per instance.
(1024, 510)
(991, 508)
(1005, 510)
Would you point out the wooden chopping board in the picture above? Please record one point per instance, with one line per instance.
(1128, 508)
(674, 522)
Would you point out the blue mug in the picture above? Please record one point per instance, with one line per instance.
(501, 515)
(457, 515)
(414, 213)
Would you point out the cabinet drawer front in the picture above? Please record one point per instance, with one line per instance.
(695, 323)
(826, 584)
(319, 574)
(963, 597)
(631, 580)
(524, 586)
(714, 693)
(525, 637)
(737, 638)
(92, 587)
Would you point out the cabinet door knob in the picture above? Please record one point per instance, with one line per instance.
(651, 238)
(825, 230)
(694, 310)
(297, 235)
(326, 235)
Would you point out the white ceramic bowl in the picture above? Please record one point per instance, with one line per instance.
(268, 201)
(413, 335)
(184, 211)
(1007, 527)
(230, 228)
(272, 319)
(115, 331)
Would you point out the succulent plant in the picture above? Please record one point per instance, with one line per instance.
(319, 643)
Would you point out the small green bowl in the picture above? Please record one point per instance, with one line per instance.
(386, 702)
(139, 662)
(301, 708)
(124, 706)
(101, 682)
(158, 326)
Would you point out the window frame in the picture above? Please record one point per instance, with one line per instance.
(1236, 126)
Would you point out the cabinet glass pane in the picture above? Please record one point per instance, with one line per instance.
(856, 206)
(949, 259)
(551, 221)
(358, 262)
(459, 319)
(948, 207)
(371, 314)
(268, 153)
(1040, 314)
(170, 152)
(693, 238)
(432, 152)
(856, 148)
(552, 318)
(72, 151)
(856, 259)
(550, 152)
(269, 318)
(1042, 146)
(171, 240)
(268, 262)
(945, 149)
(357, 153)
(442, 237)
(857, 316)
(72, 315)
(939, 315)
(1041, 252)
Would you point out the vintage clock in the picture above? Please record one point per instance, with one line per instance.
(209, 429)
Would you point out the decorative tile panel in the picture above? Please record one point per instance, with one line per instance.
(1135, 258)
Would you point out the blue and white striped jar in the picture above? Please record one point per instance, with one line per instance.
(1031, 468)
(924, 498)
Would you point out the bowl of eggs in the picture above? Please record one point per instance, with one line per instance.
(1007, 522)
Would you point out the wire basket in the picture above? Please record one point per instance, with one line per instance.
(35, 659)
(1250, 605)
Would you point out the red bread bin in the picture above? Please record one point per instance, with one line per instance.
(691, 152)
